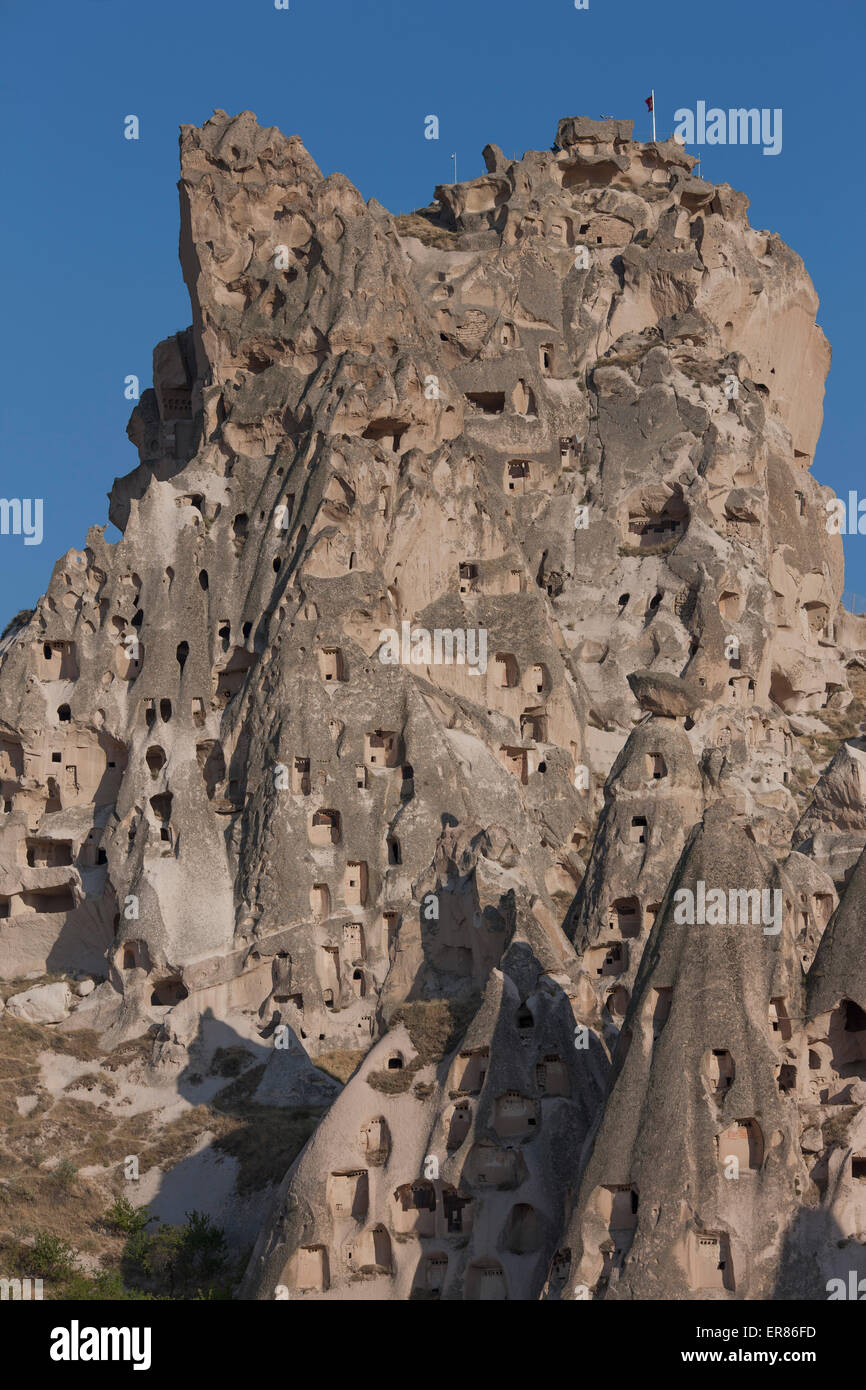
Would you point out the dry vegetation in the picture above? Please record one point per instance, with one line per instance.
(417, 225)
(435, 1027)
(341, 1063)
(62, 1157)
(841, 725)
(663, 548)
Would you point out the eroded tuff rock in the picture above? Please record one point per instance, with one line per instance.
(569, 409)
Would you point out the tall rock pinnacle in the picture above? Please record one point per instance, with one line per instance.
(443, 733)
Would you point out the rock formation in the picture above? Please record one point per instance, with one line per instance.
(474, 609)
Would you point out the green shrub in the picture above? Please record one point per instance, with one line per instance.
(53, 1258)
(188, 1261)
(105, 1286)
(64, 1174)
(123, 1216)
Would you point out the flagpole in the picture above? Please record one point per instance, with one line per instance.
(653, 95)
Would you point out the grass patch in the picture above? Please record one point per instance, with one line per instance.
(435, 1027)
(92, 1081)
(189, 1262)
(265, 1139)
(841, 725)
(10, 987)
(34, 1202)
(240, 1091)
(417, 225)
(341, 1063)
(21, 1041)
(20, 620)
(663, 548)
(179, 1138)
(835, 1130)
(230, 1061)
(394, 1083)
(62, 1164)
(126, 1054)
(66, 1281)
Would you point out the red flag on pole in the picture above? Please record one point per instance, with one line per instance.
(649, 103)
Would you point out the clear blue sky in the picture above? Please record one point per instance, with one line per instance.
(89, 242)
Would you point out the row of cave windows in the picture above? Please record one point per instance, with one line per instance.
(326, 828)
(333, 668)
(612, 958)
(163, 708)
(670, 524)
(355, 947)
(625, 915)
(518, 472)
(348, 1197)
(728, 605)
(709, 1258)
(474, 1069)
(710, 1263)
(240, 524)
(210, 752)
(519, 475)
(709, 1266)
(484, 1281)
(470, 1068)
(57, 854)
(506, 673)
(302, 785)
(718, 1066)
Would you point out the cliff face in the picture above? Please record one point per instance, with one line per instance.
(474, 599)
